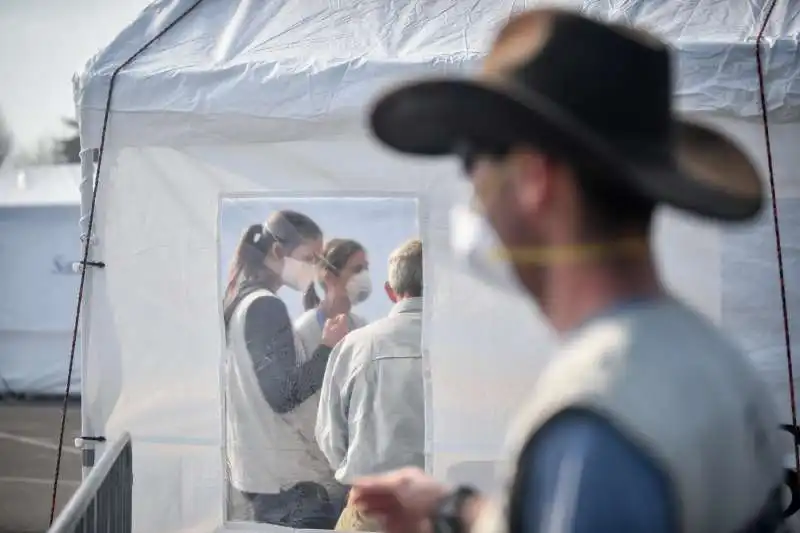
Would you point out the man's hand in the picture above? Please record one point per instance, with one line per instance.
(402, 500)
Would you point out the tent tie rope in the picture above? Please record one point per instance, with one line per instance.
(93, 439)
(87, 241)
(97, 264)
(791, 476)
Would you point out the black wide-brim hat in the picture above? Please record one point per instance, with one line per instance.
(601, 92)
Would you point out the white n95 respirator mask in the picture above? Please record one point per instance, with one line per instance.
(476, 246)
(296, 274)
(359, 287)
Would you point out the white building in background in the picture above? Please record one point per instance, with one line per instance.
(39, 242)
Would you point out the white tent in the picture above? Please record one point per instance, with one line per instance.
(244, 97)
(39, 241)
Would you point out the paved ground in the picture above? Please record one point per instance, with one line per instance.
(28, 444)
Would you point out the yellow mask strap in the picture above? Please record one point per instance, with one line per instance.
(576, 253)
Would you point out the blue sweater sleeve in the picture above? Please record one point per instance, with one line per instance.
(581, 475)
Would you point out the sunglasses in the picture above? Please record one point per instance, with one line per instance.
(469, 153)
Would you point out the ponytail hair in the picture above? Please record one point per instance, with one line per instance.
(310, 298)
(335, 255)
(247, 264)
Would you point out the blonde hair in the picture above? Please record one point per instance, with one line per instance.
(405, 269)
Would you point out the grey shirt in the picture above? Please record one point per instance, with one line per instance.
(372, 408)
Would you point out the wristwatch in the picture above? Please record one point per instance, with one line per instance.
(448, 517)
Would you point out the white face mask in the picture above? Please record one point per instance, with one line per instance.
(296, 274)
(359, 287)
(476, 245)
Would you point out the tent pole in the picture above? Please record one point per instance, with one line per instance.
(87, 446)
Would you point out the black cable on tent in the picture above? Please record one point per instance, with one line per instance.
(85, 263)
(791, 476)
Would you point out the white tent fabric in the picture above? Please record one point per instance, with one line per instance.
(39, 241)
(245, 97)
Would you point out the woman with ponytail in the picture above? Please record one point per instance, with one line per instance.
(343, 282)
(271, 383)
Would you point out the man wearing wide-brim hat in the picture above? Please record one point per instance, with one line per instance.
(648, 419)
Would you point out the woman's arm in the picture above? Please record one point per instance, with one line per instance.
(268, 332)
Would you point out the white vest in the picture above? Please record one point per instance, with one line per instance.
(309, 332)
(668, 380)
(266, 451)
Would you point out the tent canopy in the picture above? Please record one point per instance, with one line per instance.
(299, 65)
(242, 97)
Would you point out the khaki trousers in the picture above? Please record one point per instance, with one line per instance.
(352, 519)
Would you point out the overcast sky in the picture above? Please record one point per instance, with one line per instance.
(42, 44)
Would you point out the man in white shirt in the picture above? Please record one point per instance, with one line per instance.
(371, 412)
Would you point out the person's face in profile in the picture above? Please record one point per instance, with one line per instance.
(298, 267)
(309, 251)
(516, 192)
(356, 264)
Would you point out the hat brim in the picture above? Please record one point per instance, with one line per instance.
(706, 173)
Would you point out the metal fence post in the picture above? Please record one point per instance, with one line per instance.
(103, 502)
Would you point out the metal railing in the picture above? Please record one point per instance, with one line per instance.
(102, 503)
